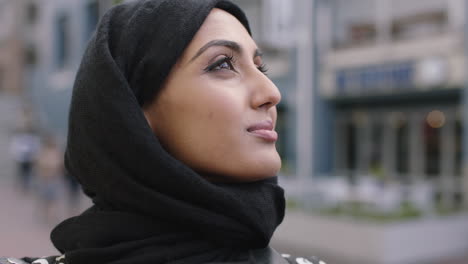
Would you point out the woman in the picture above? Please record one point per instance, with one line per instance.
(172, 136)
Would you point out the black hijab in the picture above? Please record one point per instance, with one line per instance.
(148, 206)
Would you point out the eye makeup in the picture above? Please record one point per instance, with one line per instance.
(263, 68)
(227, 62)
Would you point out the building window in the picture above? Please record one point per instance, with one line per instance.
(351, 159)
(458, 147)
(432, 151)
(351, 151)
(402, 143)
(62, 41)
(31, 13)
(376, 167)
(413, 19)
(92, 17)
(354, 22)
(419, 25)
(30, 56)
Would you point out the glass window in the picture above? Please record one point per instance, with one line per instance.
(31, 13)
(402, 143)
(62, 42)
(30, 56)
(353, 22)
(340, 143)
(351, 158)
(404, 8)
(282, 144)
(92, 17)
(351, 151)
(458, 147)
(412, 19)
(376, 168)
(432, 150)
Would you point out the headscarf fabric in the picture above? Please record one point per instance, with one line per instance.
(148, 206)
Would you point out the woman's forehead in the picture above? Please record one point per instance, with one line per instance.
(220, 25)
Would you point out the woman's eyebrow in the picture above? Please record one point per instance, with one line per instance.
(224, 43)
(218, 42)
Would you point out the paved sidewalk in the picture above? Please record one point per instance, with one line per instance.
(23, 233)
(24, 230)
(297, 229)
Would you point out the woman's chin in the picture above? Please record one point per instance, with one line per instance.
(264, 167)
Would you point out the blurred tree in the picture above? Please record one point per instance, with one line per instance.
(116, 2)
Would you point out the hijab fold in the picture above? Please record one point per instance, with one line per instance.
(148, 206)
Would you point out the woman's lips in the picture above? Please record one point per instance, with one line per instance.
(264, 130)
(268, 135)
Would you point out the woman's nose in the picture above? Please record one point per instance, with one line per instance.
(265, 93)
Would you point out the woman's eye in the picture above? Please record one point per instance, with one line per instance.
(224, 63)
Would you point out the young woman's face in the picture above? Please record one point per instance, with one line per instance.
(217, 110)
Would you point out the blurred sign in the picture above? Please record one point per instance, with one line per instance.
(422, 74)
(375, 77)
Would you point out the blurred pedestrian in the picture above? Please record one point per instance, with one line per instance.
(24, 146)
(50, 173)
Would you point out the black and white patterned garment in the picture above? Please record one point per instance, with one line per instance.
(42, 260)
(61, 260)
(296, 260)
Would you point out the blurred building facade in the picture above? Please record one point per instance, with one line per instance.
(55, 34)
(385, 99)
(11, 59)
(385, 79)
(393, 72)
(386, 131)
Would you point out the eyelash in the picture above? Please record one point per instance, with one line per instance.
(216, 66)
(263, 68)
